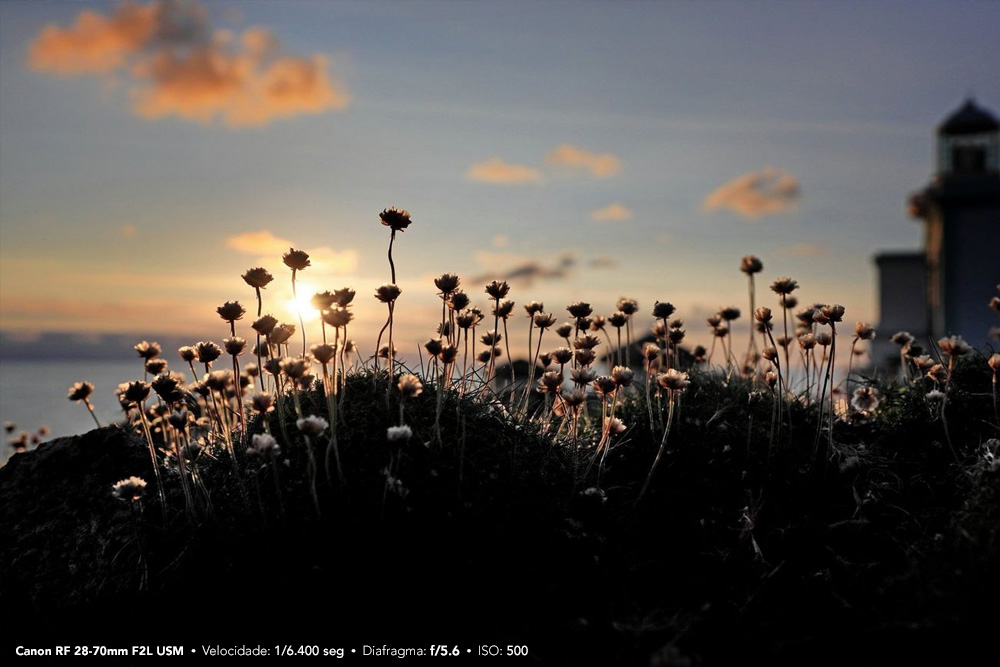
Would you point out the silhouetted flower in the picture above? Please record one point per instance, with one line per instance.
(784, 285)
(622, 376)
(673, 380)
(409, 385)
(388, 293)
(864, 331)
(234, 346)
(729, 313)
(136, 392)
(447, 283)
(296, 260)
(544, 320)
(751, 264)
(762, 314)
(130, 489)
(628, 306)
(902, 338)
(155, 366)
(322, 300)
(323, 353)
(533, 307)
(564, 330)
(579, 309)
(338, 316)
(207, 352)
(954, 346)
(343, 296)
(147, 350)
(257, 278)
(396, 219)
(264, 325)
(280, 334)
(231, 311)
(617, 319)
(78, 392)
(605, 384)
(498, 289)
(504, 309)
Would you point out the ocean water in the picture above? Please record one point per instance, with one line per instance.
(33, 394)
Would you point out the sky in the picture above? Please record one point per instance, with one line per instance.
(150, 153)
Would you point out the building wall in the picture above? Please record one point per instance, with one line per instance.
(902, 293)
(972, 271)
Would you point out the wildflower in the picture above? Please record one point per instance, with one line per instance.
(622, 376)
(586, 342)
(954, 346)
(322, 300)
(338, 316)
(614, 426)
(533, 307)
(323, 353)
(448, 354)
(866, 399)
(676, 336)
(388, 293)
(662, 310)
(169, 387)
(575, 398)
(784, 285)
(562, 355)
(398, 433)
(235, 346)
(295, 367)
(824, 339)
(487, 356)
(447, 283)
(504, 309)
(995, 303)
(585, 357)
(994, 363)
(459, 300)
(311, 425)
(598, 322)
(78, 392)
(582, 376)
(618, 319)
(490, 338)
(207, 352)
(938, 373)
(281, 334)
(231, 311)
(770, 353)
(258, 277)
(147, 350)
(396, 219)
(650, 351)
(864, 331)
(935, 397)
(604, 385)
(265, 446)
(564, 330)
(343, 296)
(762, 314)
(264, 325)
(262, 403)
(902, 338)
(700, 352)
(673, 380)
(729, 313)
(771, 378)
(155, 366)
(132, 489)
(544, 320)
(498, 289)
(628, 306)
(409, 385)
(433, 346)
(714, 321)
(579, 309)
(296, 260)
(751, 264)
(550, 382)
(136, 392)
(923, 362)
(10, 426)
(179, 419)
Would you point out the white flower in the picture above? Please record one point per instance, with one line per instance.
(132, 489)
(399, 433)
(312, 425)
(866, 399)
(935, 397)
(264, 445)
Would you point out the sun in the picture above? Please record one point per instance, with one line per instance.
(303, 304)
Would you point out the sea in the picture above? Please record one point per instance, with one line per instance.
(33, 394)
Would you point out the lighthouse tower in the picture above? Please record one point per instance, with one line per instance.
(945, 289)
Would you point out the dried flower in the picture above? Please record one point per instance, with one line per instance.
(562, 355)
(262, 403)
(78, 392)
(398, 433)
(296, 260)
(751, 264)
(147, 350)
(622, 376)
(729, 313)
(628, 306)
(579, 309)
(231, 311)
(533, 307)
(322, 300)
(257, 278)
(784, 285)
(503, 310)
(902, 338)
(136, 392)
(323, 353)
(614, 426)
(388, 293)
(281, 334)
(498, 289)
(662, 310)
(395, 218)
(409, 385)
(207, 352)
(155, 366)
(447, 283)
(338, 316)
(673, 380)
(544, 320)
(762, 314)
(581, 377)
(234, 346)
(459, 300)
(264, 325)
(343, 296)
(130, 489)
(265, 446)
(311, 425)
(954, 346)
(605, 384)
(618, 319)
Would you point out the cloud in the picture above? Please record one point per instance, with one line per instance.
(264, 243)
(574, 158)
(177, 65)
(501, 241)
(804, 250)
(763, 192)
(603, 262)
(522, 271)
(612, 213)
(497, 171)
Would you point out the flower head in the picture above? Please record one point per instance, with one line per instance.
(231, 311)
(533, 307)
(395, 218)
(902, 338)
(663, 309)
(544, 320)
(79, 392)
(156, 366)
(751, 265)
(343, 296)
(130, 489)
(784, 285)
(617, 319)
(954, 346)
(207, 352)
(264, 324)
(258, 277)
(762, 314)
(262, 403)
(296, 260)
(673, 380)
(409, 385)
(337, 316)
(311, 425)
(136, 392)
(504, 309)
(398, 433)
(235, 346)
(265, 446)
(628, 306)
(614, 426)
(622, 376)
(280, 334)
(498, 289)
(323, 352)
(322, 300)
(579, 309)
(564, 330)
(729, 313)
(388, 293)
(187, 353)
(864, 331)
(147, 350)
(447, 283)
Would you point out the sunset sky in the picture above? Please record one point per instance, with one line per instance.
(151, 153)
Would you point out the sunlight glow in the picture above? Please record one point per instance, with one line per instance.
(303, 304)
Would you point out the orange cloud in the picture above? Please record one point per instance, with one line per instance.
(572, 157)
(262, 242)
(763, 192)
(499, 172)
(178, 66)
(612, 213)
(804, 250)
